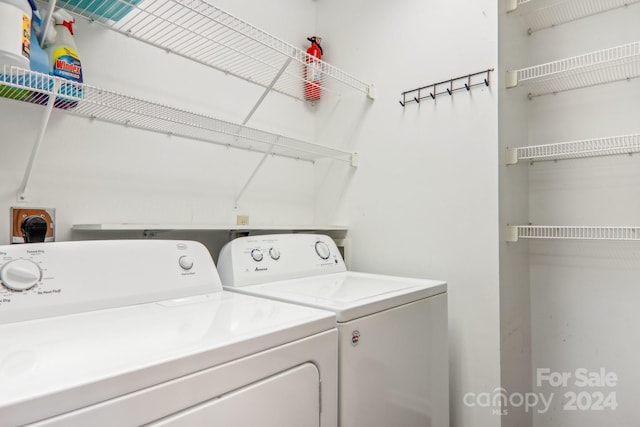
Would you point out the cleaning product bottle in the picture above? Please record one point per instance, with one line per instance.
(39, 61)
(65, 61)
(15, 49)
(15, 32)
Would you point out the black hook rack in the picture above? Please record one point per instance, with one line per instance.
(470, 81)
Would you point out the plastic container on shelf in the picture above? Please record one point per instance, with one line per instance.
(15, 46)
(15, 32)
(113, 10)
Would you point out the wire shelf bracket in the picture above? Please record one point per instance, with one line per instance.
(466, 82)
(542, 14)
(516, 232)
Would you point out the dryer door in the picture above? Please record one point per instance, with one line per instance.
(289, 399)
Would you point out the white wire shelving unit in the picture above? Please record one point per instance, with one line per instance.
(516, 232)
(205, 34)
(109, 106)
(609, 146)
(541, 14)
(595, 68)
(201, 32)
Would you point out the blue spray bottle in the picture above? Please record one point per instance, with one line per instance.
(39, 60)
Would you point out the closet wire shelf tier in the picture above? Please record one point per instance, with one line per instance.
(609, 146)
(95, 103)
(516, 232)
(201, 32)
(603, 66)
(541, 14)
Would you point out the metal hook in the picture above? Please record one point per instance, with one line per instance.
(450, 89)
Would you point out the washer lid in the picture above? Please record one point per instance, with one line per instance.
(50, 366)
(350, 294)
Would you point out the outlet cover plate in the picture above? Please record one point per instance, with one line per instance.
(19, 214)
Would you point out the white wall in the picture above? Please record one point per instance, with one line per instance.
(424, 201)
(583, 294)
(95, 172)
(515, 295)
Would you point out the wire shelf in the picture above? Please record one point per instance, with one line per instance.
(603, 66)
(541, 14)
(609, 146)
(95, 103)
(515, 232)
(201, 32)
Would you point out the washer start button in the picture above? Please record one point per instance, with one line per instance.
(185, 262)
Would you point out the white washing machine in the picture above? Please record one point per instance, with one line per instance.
(392, 331)
(140, 332)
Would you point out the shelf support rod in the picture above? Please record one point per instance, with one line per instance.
(266, 91)
(246, 120)
(47, 21)
(22, 193)
(255, 171)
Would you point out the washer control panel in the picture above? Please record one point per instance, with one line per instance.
(46, 279)
(260, 259)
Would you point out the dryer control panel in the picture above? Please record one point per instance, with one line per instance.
(47, 279)
(258, 259)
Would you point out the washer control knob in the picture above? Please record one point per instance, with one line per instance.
(185, 262)
(323, 250)
(274, 254)
(256, 254)
(20, 274)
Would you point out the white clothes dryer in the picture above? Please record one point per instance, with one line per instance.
(392, 331)
(140, 332)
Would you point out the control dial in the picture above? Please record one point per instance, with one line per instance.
(323, 250)
(256, 254)
(274, 254)
(20, 274)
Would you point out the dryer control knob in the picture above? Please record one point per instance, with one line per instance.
(20, 274)
(185, 262)
(256, 254)
(323, 250)
(274, 254)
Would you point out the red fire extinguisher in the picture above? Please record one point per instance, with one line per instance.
(313, 70)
